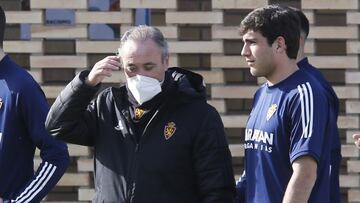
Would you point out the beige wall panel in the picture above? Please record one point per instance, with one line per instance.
(218, 104)
(347, 92)
(354, 195)
(86, 194)
(329, 4)
(333, 32)
(23, 46)
(309, 46)
(196, 47)
(78, 150)
(225, 32)
(348, 121)
(353, 166)
(58, 61)
(335, 62)
(58, 4)
(352, 47)
(352, 77)
(20, 17)
(349, 180)
(212, 77)
(237, 150)
(349, 151)
(114, 17)
(349, 134)
(52, 92)
(352, 106)
(238, 4)
(75, 179)
(169, 32)
(194, 17)
(234, 91)
(125, 28)
(58, 32)
(220, 61)
(97, 47)
(309, 15)
(234, 121)
(37, 75)
(173, 61)
(166, 4)
(352, 17)
(85, 164)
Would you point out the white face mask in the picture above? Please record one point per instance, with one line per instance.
(143, 88)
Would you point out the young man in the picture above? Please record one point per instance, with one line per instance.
(287, 146)
(304, 65)
(23, 109)
(155, 138)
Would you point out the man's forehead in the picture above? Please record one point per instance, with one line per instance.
(250, 34)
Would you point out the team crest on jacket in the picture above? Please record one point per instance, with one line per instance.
(1, 102)
(139, 113)
(271, 111)
(169, 130)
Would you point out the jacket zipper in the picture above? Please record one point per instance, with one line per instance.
(132, 195)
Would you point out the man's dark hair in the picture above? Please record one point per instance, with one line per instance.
(2, 26)
(304, 22)
(273, 21)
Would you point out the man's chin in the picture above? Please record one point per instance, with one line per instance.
(253, 72)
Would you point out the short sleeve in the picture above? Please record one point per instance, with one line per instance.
(308, 114)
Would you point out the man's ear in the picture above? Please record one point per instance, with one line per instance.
(166, 62)
(280, 44)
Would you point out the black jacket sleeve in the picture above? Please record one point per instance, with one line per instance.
(212, 162)
(72, 117)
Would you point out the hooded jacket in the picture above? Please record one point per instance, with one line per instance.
(181, 155)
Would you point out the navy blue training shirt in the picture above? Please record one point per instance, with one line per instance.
(23, 110)
(288, 120)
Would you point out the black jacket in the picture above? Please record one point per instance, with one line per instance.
(182, 155)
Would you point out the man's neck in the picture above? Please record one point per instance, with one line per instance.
(283, 71)
(300, 57)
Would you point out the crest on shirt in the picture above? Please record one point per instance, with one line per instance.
(169, 130)
(1, 102)
(271, 111)
(139, 113)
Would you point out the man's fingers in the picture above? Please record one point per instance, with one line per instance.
(114, 60)
(357, 143)
(115, 63)
(109, 67)
(109, 64)
(103, 68)
(356, 136)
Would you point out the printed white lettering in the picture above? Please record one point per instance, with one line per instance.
(259, 140)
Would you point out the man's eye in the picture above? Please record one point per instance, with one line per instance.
(131, 68)
(148, 67)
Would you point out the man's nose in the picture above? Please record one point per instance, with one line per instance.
(140, 71)
(245, 51)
